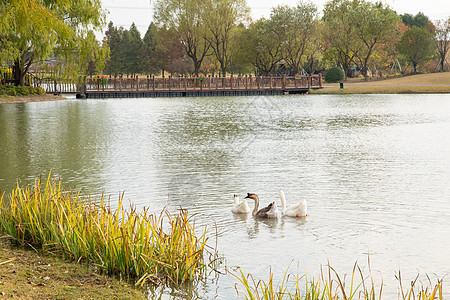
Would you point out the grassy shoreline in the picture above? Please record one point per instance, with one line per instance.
(140, 247)
(28, 274)
(433, 83)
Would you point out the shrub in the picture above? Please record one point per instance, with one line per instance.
(37, 91)
(334, 75)
(22, 90)
(12, 90)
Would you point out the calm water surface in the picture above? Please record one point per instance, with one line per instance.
(375, 171)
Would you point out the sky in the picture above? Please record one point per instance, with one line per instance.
(125, 12)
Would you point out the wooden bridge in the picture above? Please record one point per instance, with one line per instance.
(134, 87)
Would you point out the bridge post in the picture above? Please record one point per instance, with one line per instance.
(137, 83)
(231, 81)
(284, 82)
(320, 80)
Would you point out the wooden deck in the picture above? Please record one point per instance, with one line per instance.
(117, 87)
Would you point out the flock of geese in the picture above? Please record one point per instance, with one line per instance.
(271, 211)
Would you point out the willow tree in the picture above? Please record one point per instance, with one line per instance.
(375, 25)
(186, 17)
(33, 30)
(295, 27)
(90, 57)
(221, 17)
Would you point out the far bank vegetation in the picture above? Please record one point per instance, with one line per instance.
(218, 37)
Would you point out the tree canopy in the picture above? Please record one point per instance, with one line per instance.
(416, 45)
(187, 18)
(32, 30)
(189, 37)
(375, 26)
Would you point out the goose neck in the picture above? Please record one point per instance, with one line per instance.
(255, 209)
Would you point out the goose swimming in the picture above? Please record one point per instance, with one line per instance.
(269, 212)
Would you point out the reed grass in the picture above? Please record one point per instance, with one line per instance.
(331, 286)
(135, 245)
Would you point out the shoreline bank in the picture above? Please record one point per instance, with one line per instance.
(26, 99)
(433, 83)
(27, 274)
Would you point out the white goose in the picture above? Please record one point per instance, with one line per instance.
(268, 212)
(298, 210)
(240, 207)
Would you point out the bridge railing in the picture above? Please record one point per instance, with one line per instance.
(55, 86)
(117, 84)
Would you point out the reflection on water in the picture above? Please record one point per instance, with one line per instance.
(374, 170)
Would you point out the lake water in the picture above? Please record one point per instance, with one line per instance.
(375, 170)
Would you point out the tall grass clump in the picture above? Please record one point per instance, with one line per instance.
(331, 286)
(135, 245)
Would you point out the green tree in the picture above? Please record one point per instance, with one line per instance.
(341, 40)
(375, 26)
(239, 63)
(295, 25)
(33, 30)
(443, 40)
(221, 17)
(131, 49)
(150, 51)
(116, 64)
(260, 45)
(416, 45)
(419, 20)
(315, 46)
(186, 17)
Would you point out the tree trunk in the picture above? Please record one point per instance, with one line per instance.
(196, 66)
(224, 71)
(19, 74)
(311, 66)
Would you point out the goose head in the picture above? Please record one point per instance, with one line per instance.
(252, 196)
